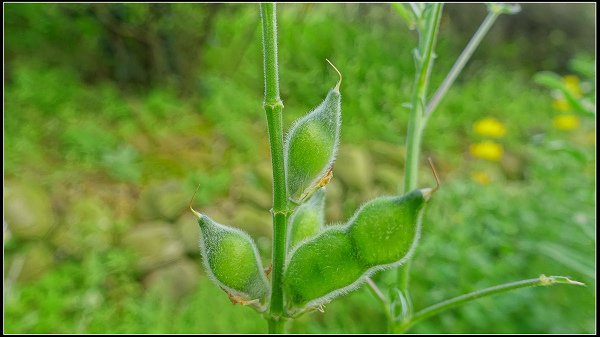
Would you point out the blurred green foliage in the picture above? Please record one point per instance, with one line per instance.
(99, 96)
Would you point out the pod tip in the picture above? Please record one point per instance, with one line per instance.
(192, 200)
(337, 86)
(427, 192)
(437, 178)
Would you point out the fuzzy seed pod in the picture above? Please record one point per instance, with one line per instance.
(381, 234)
(307, 220)
(311, 146)
(385, 229)
(321, 267)
(232, 261)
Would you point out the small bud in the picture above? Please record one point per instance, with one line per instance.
(232, 261)
(307, 220)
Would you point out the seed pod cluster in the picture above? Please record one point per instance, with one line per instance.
(307, 219)
(381, 234)
(232, 261)
(311, 146)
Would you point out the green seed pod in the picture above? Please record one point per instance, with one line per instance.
(232, 261)
(307, 220)
(311, 146)
(381, 234)
(385, 229)
(322, 268)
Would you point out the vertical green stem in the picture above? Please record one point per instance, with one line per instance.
(417, 115)
(273, 108)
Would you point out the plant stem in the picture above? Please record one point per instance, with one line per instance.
(461, 62)
(416, 120)
(273, 108)
(377, 292)
(453, 302)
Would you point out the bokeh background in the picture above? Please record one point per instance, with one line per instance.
(114, 113)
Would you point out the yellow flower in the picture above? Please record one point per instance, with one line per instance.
(487, 150)
(481, 177)
(566, 122)
(489, 127)
(572, 84)
(561, 104)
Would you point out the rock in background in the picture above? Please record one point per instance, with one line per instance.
(28, 211)
(155, 244)
(163, 234)
(175, 280)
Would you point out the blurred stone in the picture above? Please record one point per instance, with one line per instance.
(254, 221)
(334, 191)
(513, 166)
(165, 200)
(333, 201)
(189, 232)
(390, 177)
(354, 168)
(28, 211)
(174, 281)
(264, 174)
(155, 243)
(249, 194)
(390, 153)
(333, 213)
(216, 213)
(87, 227)
(31, 264)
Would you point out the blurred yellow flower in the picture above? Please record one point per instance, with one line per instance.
(487, 150)
(489, 127)
(481, 177)
(572, 84)
(561, 104)
(566, 122)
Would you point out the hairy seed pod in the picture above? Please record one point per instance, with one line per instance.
(311, 146)
(381, 234)
(385, 229)
(232, 260)
(321, 266)
(307, 220)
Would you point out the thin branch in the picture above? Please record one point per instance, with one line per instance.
(376, 291)
(453, 302)
(461, 62)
